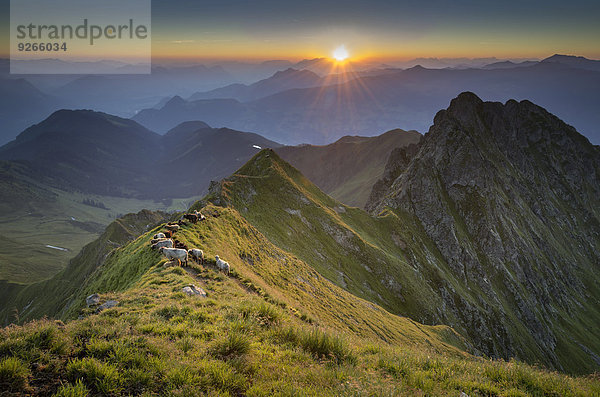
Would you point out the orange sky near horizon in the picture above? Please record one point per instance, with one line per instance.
(184, 30)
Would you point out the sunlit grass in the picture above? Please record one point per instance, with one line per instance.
(258, 336)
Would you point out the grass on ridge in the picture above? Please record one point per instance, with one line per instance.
(247, 337)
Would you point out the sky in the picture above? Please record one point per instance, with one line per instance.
(382, 30)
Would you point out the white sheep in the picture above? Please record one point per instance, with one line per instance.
(175, 253)
(159, 235)
(222, 265)
(196, 254)
(166, 243)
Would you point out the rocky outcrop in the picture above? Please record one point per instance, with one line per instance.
(510, 197)
(107, 305)
(92, 300)
(397, 162)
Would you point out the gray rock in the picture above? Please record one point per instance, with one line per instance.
(92, 300)
(193, 290)
(107, 305)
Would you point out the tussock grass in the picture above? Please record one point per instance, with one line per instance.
(326, 346)
(13, 375)
(264, 313)
(77, 389)
(101, 376)
(222, 376)
(234, 344)
(322, 345)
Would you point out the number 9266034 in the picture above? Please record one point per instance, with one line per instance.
(41, 47)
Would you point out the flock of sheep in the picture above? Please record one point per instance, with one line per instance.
(174, 249)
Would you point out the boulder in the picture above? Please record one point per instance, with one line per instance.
(92, 300)
(107, 305)
(193, 290)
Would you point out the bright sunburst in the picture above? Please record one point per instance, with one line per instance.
(340, 53)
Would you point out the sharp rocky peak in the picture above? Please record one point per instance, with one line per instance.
(506, 192)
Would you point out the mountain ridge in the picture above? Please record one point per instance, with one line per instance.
(511, 191)
(154, 338)
(347, 168)
(99, 153)
(280, 81)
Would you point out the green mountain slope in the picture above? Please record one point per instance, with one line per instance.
(344, 244)
(274, 327)
(54, 296)
(52, 169)
(393, 261)
(347, 169)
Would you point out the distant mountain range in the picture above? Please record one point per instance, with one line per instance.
(21, 105)
(103, 154)
(280, 81)
(313, 101)
(409, 98)
(574, 61)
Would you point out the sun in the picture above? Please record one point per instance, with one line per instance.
(340, 53)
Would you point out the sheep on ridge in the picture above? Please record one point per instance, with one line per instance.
(175, 253)
(172, 228)
(197, 255)
(199, 215)
(222, 265)
(167, 243)
(191, 217)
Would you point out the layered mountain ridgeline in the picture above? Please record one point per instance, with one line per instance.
(506, 198)
(280, 81)
(88, 151)
(369, 104)
(274, 326)
(98, 153)
(574, 61)
(53, 297)
(347, 169)
(22, 104)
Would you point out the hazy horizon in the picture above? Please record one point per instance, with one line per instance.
(378, 30)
